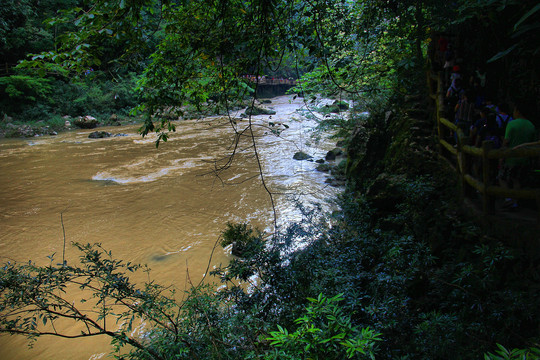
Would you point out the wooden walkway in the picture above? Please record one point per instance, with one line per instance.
(478, 182)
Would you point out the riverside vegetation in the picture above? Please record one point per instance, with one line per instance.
(401, 271)
(381, 277)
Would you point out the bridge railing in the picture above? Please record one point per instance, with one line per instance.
(484, 160)
(264, 80)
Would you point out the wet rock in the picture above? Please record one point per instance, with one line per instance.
(324, 167)
(120, 134)
(257, 110)
(320, 161)
(99, 135)
(335, 182)
(332, 154)
(86, 122)
(13, 130)
(300, 155)
(341, 105)
(337, 107)
(339, 170)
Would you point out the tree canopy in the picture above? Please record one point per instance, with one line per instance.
(192, 51)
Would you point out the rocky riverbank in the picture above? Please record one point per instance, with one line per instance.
(15, 129)
(12, 128)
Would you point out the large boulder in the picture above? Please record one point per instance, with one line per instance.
(86, 122)
(324, 167)
(336, 107)
(341, 105)
(332, 154)
(99, 135)
(300, 155)
(258, 110)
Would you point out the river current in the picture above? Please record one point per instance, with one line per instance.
(163, 207)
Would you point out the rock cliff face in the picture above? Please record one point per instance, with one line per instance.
(400, 141)
(392, 162)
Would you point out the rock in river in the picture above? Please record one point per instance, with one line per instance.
(256, 110)
(99, 135)
(300, 155)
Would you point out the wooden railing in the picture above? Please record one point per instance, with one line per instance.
(486, 158)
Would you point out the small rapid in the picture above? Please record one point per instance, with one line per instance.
(163, 207)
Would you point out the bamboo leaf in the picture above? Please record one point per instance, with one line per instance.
(502, 53)
(526, 16)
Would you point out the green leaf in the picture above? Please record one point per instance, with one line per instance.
(526, 16)
(524, 29)
(502, 53)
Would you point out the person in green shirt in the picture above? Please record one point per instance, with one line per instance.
(518, 132)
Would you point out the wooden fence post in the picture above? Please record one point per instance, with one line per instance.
(462, 162)
(537, 193)
(488, 203)
(489, 155)
(440, 109)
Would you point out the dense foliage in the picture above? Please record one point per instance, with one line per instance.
(46, 93)
(196, 52)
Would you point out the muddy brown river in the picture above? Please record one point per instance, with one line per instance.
(163, 207)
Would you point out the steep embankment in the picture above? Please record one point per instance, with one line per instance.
(393, 154)
(441, 285)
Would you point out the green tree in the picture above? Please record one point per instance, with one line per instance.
(22, 30)
(34, 300)
(204, 47)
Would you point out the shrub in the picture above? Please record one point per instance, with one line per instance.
(324, 332)
(503, 353)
